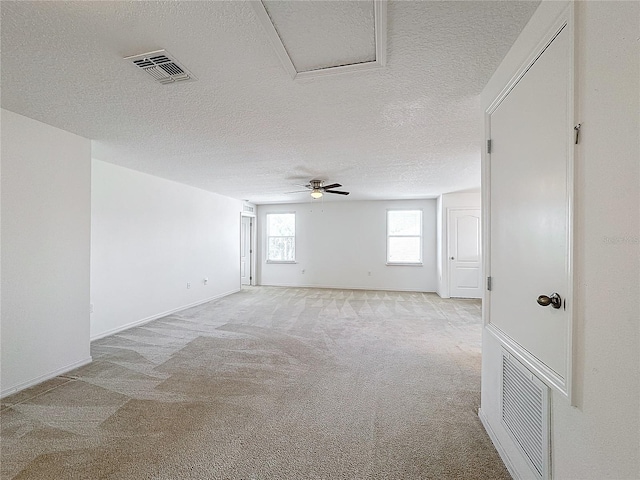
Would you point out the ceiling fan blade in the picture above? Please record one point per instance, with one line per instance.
(297, 191)
(336, 191)
(333, 185)
(300, 185)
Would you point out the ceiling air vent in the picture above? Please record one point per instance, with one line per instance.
(162, 67)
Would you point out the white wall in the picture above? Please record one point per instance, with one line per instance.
(339, 243)
(46, 179)
(149, 237)
(448, 201)
(600, 437)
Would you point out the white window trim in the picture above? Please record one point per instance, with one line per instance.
(405, 264)
(267, 236)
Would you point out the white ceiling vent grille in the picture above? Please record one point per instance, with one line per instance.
(525, 414)
(162, 67)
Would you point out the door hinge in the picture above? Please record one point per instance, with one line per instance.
(577, 130)
(250, 251)
(489, 146)
(489, 282)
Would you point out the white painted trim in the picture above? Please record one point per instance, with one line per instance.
(253, 247)
(445, 265)
(142, 321)
(267, 236)
(485, 180)
(45, 377)
(380, 19)
(254, 250)
(404, 264)
(274, 38)
(419, 263)
(380, 28)
(338, 287)
(496, 443)
(538, 368)
(564, 385)
(547, 39)
(572, 152)
(324, 72)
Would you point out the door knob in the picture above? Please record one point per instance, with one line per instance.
(554, 300)
(452, 258)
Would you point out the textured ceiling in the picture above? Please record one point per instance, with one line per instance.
(246, 129)
(320, 34)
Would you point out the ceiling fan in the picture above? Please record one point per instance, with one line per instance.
(318, 188)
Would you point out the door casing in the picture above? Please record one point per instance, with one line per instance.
(252, 248)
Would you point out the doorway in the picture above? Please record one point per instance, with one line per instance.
(246, 250)
(464, 253)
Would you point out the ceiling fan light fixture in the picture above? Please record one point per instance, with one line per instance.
(316, 193)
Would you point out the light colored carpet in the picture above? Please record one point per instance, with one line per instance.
(268, 383)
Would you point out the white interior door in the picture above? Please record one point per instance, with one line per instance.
(245, 251)
(465, 267)
(530, 175)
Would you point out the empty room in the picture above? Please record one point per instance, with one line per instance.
(350, 239)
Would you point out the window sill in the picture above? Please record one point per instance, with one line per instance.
(282, 261)
(404, 264)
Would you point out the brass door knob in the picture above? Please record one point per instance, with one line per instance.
(554, 300)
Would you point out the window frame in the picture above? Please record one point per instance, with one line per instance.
(420, 262)
(268, 236)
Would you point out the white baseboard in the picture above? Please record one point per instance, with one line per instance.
(44, 378)
(442, 292)
(142, 321)
(343, 287)
(501, 451)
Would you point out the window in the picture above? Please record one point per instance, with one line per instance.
(281, 237)
(404, 237)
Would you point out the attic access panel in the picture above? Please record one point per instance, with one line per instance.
(314, 38)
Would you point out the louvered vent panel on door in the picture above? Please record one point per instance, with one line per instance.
(162, 67)
(525, 413)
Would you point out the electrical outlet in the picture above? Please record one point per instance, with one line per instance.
(188, 285)
(205, 281)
